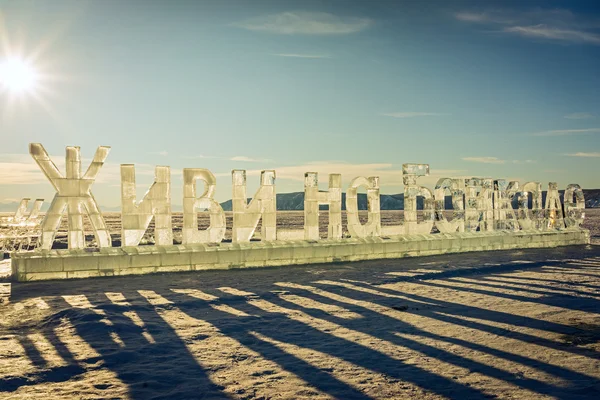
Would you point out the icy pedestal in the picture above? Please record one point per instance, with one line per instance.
(78, 263)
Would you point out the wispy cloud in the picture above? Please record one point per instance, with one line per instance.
(21, 169)
(485, 160)
(496, 160)
(199, 156)
(250, 159)
(581, 154)
(542, 31)
(159, 153)
(389, 174)
(580, 115)
(297, 55)
(548, 24)
(305, 23)
(483, 17)
(411, 114)
(567, 132)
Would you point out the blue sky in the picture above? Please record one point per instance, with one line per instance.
(499, 89)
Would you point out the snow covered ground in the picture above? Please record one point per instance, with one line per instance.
(505, 324)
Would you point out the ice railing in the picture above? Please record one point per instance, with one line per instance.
(478, 204)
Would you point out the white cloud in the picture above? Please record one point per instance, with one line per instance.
(580, 115)
(522, 161)
(550, 24)
(389, 174)
(305, 23)
(545, 32)
(21, 169)
(566, 132)
(411, 114)
(496, 160)
(582, 154)
(199, 156)
(159, 153)
(296, 55)
(485, 160)
(472, 16)
(250, 159)
(483, 17)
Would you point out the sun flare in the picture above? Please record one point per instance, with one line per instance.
(18, 76)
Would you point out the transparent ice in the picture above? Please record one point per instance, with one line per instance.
(456, 188)
(263, 204)
(411, 172)
(156, 203)
(73, 194)
(373, 225)
(574, 206)
(191, 203)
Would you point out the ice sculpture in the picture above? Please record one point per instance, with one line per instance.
(263, 204)
(136, 217)
(504, 214)
(410, 174)
(21, 218)
(73, 194)
(21, 231)
(456, 187)
(479, 208)
(373, 225)
(530, 219)
(553, 213)
(313, 198)
(574, 206)
(190, 232)
(486, 205)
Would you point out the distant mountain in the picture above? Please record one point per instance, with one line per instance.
(295, 201)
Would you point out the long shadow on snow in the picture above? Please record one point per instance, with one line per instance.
(279, 327)
(397, 326)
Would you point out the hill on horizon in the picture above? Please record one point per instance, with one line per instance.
(295, 202)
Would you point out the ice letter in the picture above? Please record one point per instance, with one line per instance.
(553, 213)
(246, 216)
(457, 188)
(73, 193)
(313, 198)
(373, 225)
(525, 220)
(574, 210)
(135, 217)
(504, 214)
(479, 208)
(191, 203)
(410, 174)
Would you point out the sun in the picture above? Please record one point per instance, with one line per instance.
(18, 76)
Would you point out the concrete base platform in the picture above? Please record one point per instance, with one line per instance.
(67, 264)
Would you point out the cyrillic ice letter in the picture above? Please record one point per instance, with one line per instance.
(313, 198)
(456, 187)
(246, 216)
(504, 214)
(553, 213)
(410, 173)
(373, 225)
(574, 206)
(72, 193)
(135, 217)
(533, 219)
(191, 204)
